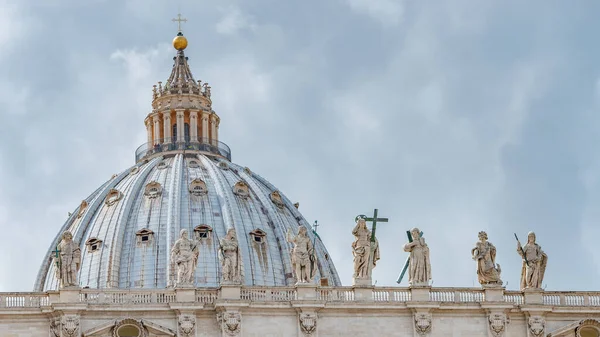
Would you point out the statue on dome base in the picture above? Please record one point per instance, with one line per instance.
(184, 258)
(303, 260)
(229, 255)
(534, 263)
(362, 248)
(484, 253)
(68, 261)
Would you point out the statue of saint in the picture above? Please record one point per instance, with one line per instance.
(361, 250)
(484, 253)
(229, 255)
(68, 261)
(303, 260)
(419, 271)
(532, 272)
(184, 257)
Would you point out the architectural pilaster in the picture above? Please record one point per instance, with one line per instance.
(156, 121)
(148, 123)
(167, 126)
(213, 129)
(205, 135)
(180, 126)
(194, 126)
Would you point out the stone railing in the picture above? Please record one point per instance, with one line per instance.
(290, 294)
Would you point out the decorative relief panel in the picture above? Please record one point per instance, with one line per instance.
(308, 323)
(422, 322)
(498, 322)
(187, 325)
(537, 325)
(54, 327)
(70, 325)
(230, 323)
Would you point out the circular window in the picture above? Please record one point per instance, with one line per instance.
(589, 332)
(128, 331)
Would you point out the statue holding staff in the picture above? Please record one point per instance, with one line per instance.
(534, 263)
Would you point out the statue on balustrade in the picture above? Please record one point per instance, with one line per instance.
(484, 253)
(419, 272)
(229, 255)
(534, 263)
(361, 250)
(184, 258)
(303, 259)
(68, 261)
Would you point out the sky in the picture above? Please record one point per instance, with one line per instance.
(452, 116)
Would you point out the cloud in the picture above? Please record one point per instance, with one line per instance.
(387, 12)
(233, 21)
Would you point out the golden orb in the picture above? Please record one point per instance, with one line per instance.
(180, 42)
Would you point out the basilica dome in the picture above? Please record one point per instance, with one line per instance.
(183, 179)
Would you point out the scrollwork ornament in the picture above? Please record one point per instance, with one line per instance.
(187, 325)
(231, 323)
(498, 323)
(70, 325)
(308, 323)
(537, 325)
(423, 323)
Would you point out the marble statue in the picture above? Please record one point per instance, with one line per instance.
(303, 260)
(68, 261)
(532, 272)
(484, 253)
(229, 255)
(184, 257)
(419, 268)
(361, 250)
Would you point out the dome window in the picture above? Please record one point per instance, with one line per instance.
(223, 165)
(82, 207)
(153, 190)
(258, 236)
(93, 244)
(276, 199)
(247, 170)
(162, 165)
(113, 197)
(134, 170)
(144, 236)
(203, 232)
(241, 189)
(193, 164)
(198, 187)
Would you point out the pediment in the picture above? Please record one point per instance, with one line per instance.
(149, 328)
(582, 328)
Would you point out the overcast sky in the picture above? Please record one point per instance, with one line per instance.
(453, 116)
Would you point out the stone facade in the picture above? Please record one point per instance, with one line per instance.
(301, 311)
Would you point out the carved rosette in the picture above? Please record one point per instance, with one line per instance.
(423, 323)
(230, 322)
(537, 325)
(70, 325)
(187, 325)
(498, 322)
(308, 323)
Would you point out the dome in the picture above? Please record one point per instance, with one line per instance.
(183, 179)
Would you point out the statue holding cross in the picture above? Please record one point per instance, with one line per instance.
(365, 248)
(419, 267)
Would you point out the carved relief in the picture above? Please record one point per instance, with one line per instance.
(422, 323)
(54, 327)
(153, 190)
(231, 322)
(241, 189)
(70, 325)
(276, 199)
(113, 197)
(308, 323)
(498, 322)
(187, 325)
(536, 326)
(198, 188)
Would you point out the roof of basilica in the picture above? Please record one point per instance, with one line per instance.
(127, 227)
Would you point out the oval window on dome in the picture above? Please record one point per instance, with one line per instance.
(162, 165)
(153, 190)
(193, 163)
(198, 188)
(247, 170)
(134, 170)
(113, 197)
(223, 165)
(241, 189)
(277, 200)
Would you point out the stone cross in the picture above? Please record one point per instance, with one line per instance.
(179, 20)
(56, 252)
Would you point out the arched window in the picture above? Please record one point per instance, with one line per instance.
(198, 187)
(203, 232)
(241, 189)
(93, 244)
(153, 190)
